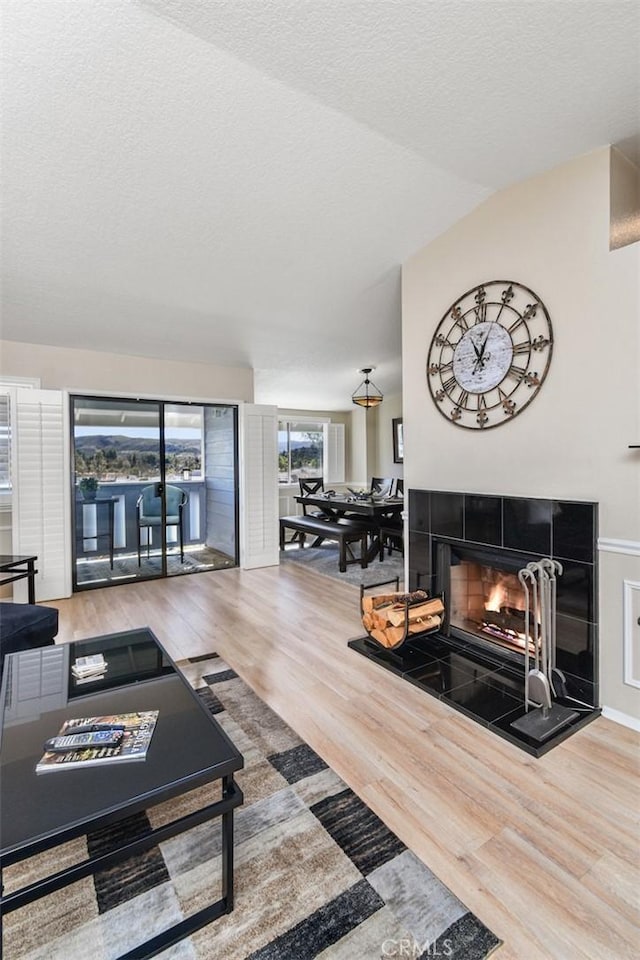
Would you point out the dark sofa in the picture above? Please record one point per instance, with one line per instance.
(24, 626)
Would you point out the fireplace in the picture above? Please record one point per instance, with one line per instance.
(486, 601)
(469, 548)
(506, 533)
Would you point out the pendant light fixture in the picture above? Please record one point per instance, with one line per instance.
(367, 394)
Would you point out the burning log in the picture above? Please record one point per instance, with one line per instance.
(390, 618)
(506, 626)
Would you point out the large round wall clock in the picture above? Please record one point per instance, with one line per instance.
(489, 354)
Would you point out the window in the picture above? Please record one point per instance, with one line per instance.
(300, 450)
(8, 386)
(119, 440)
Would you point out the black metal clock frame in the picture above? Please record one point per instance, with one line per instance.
(522, 314)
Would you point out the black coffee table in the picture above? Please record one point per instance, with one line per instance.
(188, 749)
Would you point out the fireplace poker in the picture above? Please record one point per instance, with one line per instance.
(556, 676)
(523, 576)
(539, 679)
(536, 683)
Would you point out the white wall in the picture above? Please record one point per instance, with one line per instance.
(550, 233)
(88, 371)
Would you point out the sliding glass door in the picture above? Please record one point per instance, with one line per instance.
(155, 489)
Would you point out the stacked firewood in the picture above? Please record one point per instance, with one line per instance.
(391, 617)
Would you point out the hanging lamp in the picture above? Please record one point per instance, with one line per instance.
(367, 394)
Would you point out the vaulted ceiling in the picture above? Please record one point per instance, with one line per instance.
(238, 181)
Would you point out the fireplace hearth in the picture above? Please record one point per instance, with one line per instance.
(468, 548)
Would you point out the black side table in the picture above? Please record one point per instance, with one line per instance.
(19, 568)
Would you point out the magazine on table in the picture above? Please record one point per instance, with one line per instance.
(97, 741)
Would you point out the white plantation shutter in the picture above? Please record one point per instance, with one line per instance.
(259, 532)
(5, 439)
(40, 471)
(334, 457)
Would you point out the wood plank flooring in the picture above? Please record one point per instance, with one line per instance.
(544, 851)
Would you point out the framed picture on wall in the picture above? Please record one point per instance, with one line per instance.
(398, 440)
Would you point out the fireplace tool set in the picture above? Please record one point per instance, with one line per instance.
(544, 683)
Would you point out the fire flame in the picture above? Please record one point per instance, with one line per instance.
(497, 598)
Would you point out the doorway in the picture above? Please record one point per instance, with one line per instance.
(155, 489)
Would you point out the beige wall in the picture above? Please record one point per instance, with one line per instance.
(550, 233)
(89, 371)
(385, 467)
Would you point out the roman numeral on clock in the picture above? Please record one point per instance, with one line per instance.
(459, 319)
(480, 309)
(518, 373)
(529, 312)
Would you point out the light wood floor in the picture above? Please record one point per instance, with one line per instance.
(544, 851)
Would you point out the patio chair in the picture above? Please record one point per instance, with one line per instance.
(149, 512)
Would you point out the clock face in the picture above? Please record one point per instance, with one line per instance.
(489, 355)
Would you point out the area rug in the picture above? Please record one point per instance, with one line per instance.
(318, 875)
(324, 560)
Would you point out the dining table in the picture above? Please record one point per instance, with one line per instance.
(376, 511)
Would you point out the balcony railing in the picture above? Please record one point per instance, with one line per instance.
(92, 518)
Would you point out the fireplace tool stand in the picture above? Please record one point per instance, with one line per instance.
(543, 681)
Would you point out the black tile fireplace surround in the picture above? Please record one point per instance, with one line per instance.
(469, 672)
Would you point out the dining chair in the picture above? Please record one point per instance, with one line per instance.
(381, 486)
(310, 486)
(149, 512)
(392, 528)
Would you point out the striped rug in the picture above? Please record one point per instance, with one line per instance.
(317, 872)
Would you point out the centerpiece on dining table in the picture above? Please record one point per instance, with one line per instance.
(367, 495)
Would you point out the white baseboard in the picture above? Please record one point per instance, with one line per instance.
(622, 718)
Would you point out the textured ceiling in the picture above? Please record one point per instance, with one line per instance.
(238, 181)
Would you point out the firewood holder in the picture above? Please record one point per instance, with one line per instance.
(407, 635)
